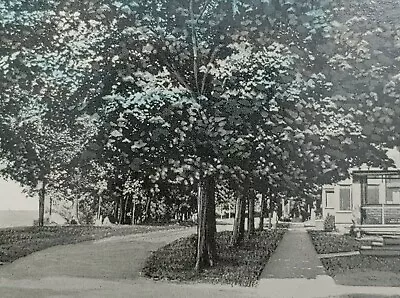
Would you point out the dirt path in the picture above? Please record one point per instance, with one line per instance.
(105, 268)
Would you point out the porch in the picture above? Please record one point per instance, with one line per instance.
(370, 200)
(380, 200)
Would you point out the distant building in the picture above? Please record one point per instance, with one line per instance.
(369, 199)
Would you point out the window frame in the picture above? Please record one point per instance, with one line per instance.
(331, 192)
(366, 199)
(390, 190)
(350, 204)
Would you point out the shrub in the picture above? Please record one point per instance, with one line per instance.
(329, 223)
(318, 213)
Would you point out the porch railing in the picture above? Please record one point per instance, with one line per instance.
(380, 214)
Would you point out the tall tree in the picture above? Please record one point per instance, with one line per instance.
(218, 89)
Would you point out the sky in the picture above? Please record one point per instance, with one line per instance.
(395, 155)
(12, 198)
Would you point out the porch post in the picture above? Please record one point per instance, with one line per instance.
(283, 207)
(382, 195)
(358, 194)
(382, 198)
(364, 189)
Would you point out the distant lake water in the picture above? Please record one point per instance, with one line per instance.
(17, 218)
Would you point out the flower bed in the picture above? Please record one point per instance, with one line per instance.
(240, 266)
(326, 242)
(356, 270)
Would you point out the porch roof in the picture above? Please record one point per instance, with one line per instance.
(376, 173)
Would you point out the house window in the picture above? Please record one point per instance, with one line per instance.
(393, 180)
(345, 198)
(329, 198)
(372, 195)
(393, 195)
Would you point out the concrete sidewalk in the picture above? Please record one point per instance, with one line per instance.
(295, 257)
(294, 270)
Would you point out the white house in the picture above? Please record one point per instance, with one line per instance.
(369, 199)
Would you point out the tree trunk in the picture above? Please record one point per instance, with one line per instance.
(125, 211)
(206, 227)
(133, 218)
(262, 209)
(77, 209)
(42, 194)
(116, 210)
(98, 215)
(238, 225)
(269, 208)
(269, 220)
(250, 223)
(121, 210)
(147, 210)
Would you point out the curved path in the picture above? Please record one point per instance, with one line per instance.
(105, 268)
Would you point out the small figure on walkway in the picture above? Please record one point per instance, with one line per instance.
(73, 221)
(274, 218)
(313, 211)
(106, 221)
(99, 221)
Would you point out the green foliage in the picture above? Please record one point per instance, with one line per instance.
(285, 94)
(364, 66)
(329, 223)
(228, 115)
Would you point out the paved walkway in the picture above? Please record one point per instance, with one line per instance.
(295, 270)
(294, 258)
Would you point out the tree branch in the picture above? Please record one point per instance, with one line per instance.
(170, 67)
(194, 45)
(203, 11)
(212, 58)
(179, 77)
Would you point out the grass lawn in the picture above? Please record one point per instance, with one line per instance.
(358, 270)
(364, 270)
(236, 266)
(19, 242)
